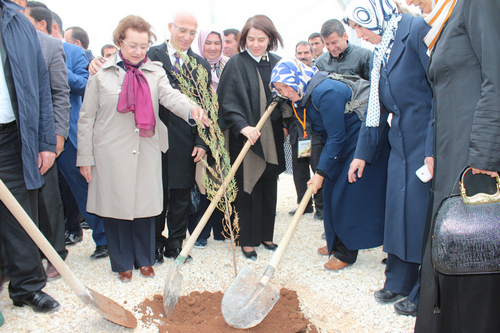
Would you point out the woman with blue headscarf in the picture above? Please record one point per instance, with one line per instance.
(353, 213)
(399, 87)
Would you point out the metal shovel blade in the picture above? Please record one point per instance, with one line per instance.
(110, 310)
(172, 289)
(247, 302)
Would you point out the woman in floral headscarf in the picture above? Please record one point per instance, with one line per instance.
(323, 102)
(211, 45)
(399, 87)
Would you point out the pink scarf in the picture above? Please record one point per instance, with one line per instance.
(135, 96)
(218, 64)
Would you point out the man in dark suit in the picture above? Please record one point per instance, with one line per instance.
(186, 148)
(27, 150)
(51, 213)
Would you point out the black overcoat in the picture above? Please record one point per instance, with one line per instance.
(464, 71)
(240, 106)
(177, 162)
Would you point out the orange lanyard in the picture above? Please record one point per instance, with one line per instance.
(303, 123)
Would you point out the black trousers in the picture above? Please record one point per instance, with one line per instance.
(176, 210)
(130, 243)
(343, 254)
(402, 277)
(257, 211)
(301, 173)
(23, 257)
(79, 187)
(72, 215)
(215, 221)
(51, 213)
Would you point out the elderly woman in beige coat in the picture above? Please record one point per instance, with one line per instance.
(120, 139)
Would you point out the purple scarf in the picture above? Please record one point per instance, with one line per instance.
(135, 96)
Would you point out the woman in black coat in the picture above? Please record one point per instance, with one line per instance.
(243, 97)
(464, 71)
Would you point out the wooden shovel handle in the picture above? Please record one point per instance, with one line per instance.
(204, 219)
(289, 232)
(20, 214)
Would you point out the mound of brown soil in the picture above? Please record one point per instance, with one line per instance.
(201, 313)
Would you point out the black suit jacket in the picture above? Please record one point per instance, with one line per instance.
(178, 166)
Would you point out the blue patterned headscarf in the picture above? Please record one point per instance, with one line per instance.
(381, 17)
(293, 73)
(374, 15)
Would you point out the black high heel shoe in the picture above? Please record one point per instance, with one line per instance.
(271, 246)
(250, 254)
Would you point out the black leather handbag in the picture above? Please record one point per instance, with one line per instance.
(466, 228)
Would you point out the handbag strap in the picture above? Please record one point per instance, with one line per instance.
(460, 176)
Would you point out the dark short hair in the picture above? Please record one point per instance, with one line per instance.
(235, 32)
(303, 42)
(58, 21)
(33, 4)
(315, 35)
(332, 26)
(78, 33)
(40, 13)
(264, 23)
(133, 22)
(107, 46)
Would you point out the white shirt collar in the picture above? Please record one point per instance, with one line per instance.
(259, 57)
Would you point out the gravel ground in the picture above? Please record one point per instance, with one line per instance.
(334, 301)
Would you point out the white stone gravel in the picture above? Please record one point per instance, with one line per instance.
(334, 301)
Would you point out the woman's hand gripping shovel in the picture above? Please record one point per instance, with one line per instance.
(109, 309)
(249, 298)
(174, 277)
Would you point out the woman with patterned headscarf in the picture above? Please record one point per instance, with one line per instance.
(323, 103)
(210, 46)
(399, 87)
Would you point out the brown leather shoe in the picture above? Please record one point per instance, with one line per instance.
(324, 251)
(334, 264)
(147, 271)
(125, 276)
(52, 273)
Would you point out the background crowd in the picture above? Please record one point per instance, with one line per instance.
(110, 143)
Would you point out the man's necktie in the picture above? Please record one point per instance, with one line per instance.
(177, 63)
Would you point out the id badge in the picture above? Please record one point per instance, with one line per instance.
(304, 148)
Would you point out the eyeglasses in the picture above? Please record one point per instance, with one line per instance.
(184, 31)
(143, 47)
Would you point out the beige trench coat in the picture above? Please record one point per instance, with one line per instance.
(126, 168)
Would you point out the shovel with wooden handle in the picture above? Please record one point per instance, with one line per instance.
(109, 309)
(249, 298)
(174, 277)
